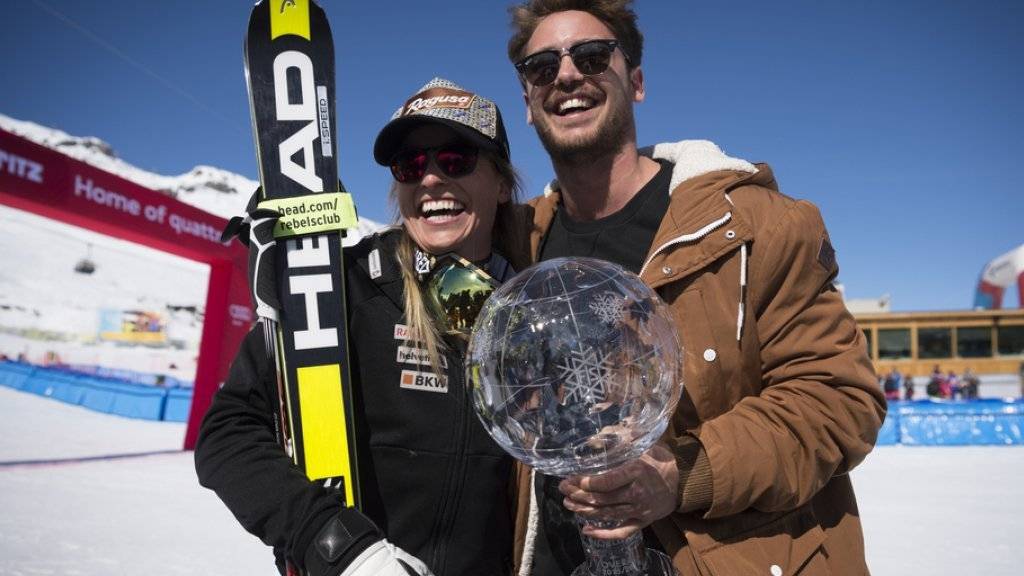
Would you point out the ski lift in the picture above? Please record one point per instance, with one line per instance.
(86, 265)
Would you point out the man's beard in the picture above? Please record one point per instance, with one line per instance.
(605, 141)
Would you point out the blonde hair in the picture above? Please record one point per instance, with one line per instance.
(508, 227)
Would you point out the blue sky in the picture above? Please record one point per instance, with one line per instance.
(902, 121)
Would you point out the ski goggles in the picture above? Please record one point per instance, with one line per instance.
(456, 290)
(590, 58)
(454, 160)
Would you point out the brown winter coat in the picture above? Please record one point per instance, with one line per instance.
(783, 412)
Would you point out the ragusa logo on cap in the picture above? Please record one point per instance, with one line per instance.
(437, 98)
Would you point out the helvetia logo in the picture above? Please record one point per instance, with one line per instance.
(409, 355)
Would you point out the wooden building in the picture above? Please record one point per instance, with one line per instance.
(986, 341)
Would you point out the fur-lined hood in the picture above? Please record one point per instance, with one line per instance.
(692, 158)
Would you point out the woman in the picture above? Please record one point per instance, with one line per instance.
(436, 490)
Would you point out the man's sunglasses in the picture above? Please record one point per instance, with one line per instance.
(456, 290)
(590, 58)
(454, 160)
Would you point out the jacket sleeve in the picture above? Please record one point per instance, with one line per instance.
(238, 457)
(819, 409)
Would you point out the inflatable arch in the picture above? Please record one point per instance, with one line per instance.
(45, 182)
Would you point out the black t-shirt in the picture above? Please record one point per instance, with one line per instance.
(624, 238)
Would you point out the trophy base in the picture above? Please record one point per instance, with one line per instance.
(658, 564)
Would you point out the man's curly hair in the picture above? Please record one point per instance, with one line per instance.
(617, 15)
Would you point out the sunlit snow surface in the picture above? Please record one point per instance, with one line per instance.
(47, 308)
(926, 511)
(935, 511)
(130, 516)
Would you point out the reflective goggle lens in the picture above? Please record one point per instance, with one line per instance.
(453, 160)
(456, 292)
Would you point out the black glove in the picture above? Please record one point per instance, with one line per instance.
(256, 230)
(349, 544)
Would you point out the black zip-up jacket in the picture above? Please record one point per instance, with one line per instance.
(431, 477)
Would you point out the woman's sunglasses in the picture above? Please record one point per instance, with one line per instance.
(456, 290)
(454, 160)
(590, 58)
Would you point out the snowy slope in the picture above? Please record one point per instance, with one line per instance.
(214, 190)
(45, 307)
(133, 516)
(940, 511)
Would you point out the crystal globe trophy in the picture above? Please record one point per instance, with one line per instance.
(576, 366)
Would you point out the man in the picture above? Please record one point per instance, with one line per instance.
(780, 398)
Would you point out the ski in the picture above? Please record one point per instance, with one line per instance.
(289, 66)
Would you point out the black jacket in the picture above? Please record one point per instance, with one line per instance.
(431, 477)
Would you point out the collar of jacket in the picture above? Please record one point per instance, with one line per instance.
(389, 280)
(701, 223)
(385, 244)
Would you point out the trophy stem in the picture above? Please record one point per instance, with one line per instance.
(626, 557)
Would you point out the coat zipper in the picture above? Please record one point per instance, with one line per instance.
(452, 496)
(687, 238)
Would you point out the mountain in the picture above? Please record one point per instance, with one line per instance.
(50, 311)
(211, 189)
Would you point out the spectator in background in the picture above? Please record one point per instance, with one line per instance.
(908, 387)
(952, 386)
(891, 384)
(1021, 371)
(969, 385)
(935, 383)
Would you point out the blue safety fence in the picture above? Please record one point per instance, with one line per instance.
(978, 422)
(110, 395)
(133, 376)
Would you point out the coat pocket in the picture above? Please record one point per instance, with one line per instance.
(791, 545)
(709, 354)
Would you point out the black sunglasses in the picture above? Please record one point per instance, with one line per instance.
(590, 58)
(454, 160)
(456, 290)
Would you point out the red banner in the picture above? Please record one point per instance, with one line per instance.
(43, 181)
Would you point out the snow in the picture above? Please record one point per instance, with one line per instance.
(136, 515)
(217, 191)
(141, 515)
(936, 511)
(942, 511)
(211, 189)
(47, 308)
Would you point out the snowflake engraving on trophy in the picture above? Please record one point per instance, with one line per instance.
(575, 366)
(609, 307)
(587, 376)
